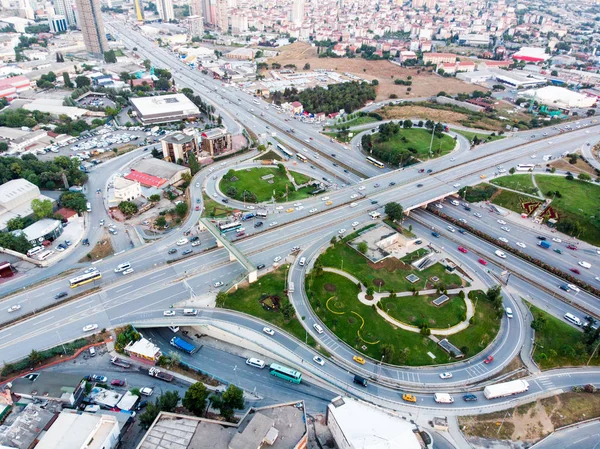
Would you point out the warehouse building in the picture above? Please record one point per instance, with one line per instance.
(66, 388)
(164, 109)
(531, 54)
(560, 98)
(156, 173)
(15, 200)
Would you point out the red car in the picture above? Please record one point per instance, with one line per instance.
(239, 234)
(117, 383)
(462, 250)
(422, 170)
(575, 270)
(482, 262)
(197, 207)
(573, 247)
(489, 359)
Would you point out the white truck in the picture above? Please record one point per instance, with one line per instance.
(505, 389)
(443, 398)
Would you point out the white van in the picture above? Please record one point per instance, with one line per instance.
(93, 352)
(573, 319)
(190, 312)
(585, 264)
(302, 261)
(92, 408)
(122, 267)
(318, 328)
(443, 398)
(454, 203)
(255, 362)
(34, 250)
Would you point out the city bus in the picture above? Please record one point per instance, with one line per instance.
(525, 167)
(261, 214)
(375, 162)
(285, 373)
(301, 157)
(227, 227)
(287, 153)
(84, 279)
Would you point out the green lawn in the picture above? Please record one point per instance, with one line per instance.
(521, 183)
(300, 178)
(552, 341)
(357, 121)
(481, 136)
(269, 156)
(579, 201)
(213, 208)
(247, 300)
(418, 310)
(418, 139)
(415, 255)
(333, 298)
(340, 137)
(250, 180)
(513, 201)
(482, 331)
(391, 271)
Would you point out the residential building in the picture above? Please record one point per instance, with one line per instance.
(74, 429)
(126, 189)
(143, 350)
(66, 388)
(196, 8)
(438, 58)
(164, 109)
(15, 200)
(67, 214)
(178, 146)
(92, 27)
(407, 55)
(65, 8)
(195, 26)
(222, 16)
(58, 24)
(216, 141)
(297, 12)
(165, 10)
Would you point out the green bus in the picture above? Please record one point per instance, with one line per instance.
(285, 373)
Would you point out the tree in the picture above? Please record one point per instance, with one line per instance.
(232, 399)
(394, 211)
(181, 209)
(67, 80)
(590, 112)
(407, 124)
(128, 208)
(154, 198)
(156, 154)
(307, 66)
(74, 200)
(147, 64)
(363, 247)
(41, 208)
(195, 398)
(160, 222)
(168, 401)
(110, 57)
(149, 415)
(539, 323)
(387, 352)
(3, 147)
(584, 177)
(82, 81)
(221, 298)
(16, 223)
(193, 163)
(34, 358)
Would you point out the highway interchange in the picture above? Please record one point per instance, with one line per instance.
(155, 285)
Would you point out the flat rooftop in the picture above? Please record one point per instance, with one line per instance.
(52, 385)
(165, 105)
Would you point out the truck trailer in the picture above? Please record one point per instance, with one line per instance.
(506, 389)
(183, 345)
(544, 244)
(155, 372)
(120, 362)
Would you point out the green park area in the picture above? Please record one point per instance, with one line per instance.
(481, 137)
(520, 183)
(412, 141)
(259, 184)
(558, 344)
(420, 310)
(356, 122)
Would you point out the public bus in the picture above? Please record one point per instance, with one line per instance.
(261, 214)
(525, 167)
(84, 279)
(375, 162)
(285, 373)
(287, 153)
(301, 157)
(228, 227)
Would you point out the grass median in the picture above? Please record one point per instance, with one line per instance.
(418, 310)
(520, 183)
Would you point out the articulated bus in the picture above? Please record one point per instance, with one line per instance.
(301, 157)
(287, 153)
(285, 373)
(227, 227)
(525, 167)
(84, 279)
(375, 162)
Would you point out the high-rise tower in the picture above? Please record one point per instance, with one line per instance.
(92, 26)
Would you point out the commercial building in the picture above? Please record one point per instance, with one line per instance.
(276, 427)
(531, 54)
(42, 230)
(358, 425)
(67, 214)
(517, 79)
(216, 141)
(92, 27)
(165, 10)
(58, 24)
(67, 389)
(474, 40)
(74, 429)
(126, 189)
(178, 146)
(438, 58)
(11, 87)
(15, 200)
(164, 109)
(65, 8)
(560, 98)
(143, 350)
(407, 55)
(152, 172)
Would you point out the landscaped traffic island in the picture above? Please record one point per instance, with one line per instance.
(260, 184)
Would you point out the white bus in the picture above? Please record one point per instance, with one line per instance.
(261, 214)
(301, 157)
(525, 167)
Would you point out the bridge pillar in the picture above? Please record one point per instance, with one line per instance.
(220, 245)
(252, 276)
(232, 258)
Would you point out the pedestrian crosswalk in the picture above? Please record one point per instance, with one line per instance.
(477, 370)
(545, 383)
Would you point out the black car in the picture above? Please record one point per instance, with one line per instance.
(333, 154)
(141, 405)
(392, 183)
(345, 171)
(260, 266)
(60, 295)
(467, 208)
(225, 200)
(469, 398)
(258, 224)
(429, 170)
(334, 164)
(194, 238)
(172, 250)
(541, 237)
(374, 201)
(187, 251)
(419, 185)
(85, 242)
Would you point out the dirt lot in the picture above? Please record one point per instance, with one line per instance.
(424, 84)
(102, 249)
(533, 421)
(579, 167)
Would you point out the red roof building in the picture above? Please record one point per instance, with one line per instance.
(67, 214)
(145, 179)
(10, 87)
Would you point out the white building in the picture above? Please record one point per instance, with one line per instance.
(65, 8)
(81, 430)
(165, 108)
(58, 24)
(195, 25)
(126, 190)
(165, 10)
(358, 425)
(15, 200)
(561, 98)
(297, 13)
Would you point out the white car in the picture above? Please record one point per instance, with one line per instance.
(354, 224)
(182, 241)
(14, 308)
(341, 231)
(197, 243)
(353, 204)
(90, 327)
(450, 228)
(279, 208)
(197, 184)
(597, 278)
(502, 239)
(462, 220)
(325, 198)
(556, 239)
(277, 259)
(297, 204)
(90, 270)
(354, 196)
(439, 206)
(318, 360)
(268, 331)
(477, 214)
(250, 207)
(505, 228)
(218, 284)
(445, 375)
(521, 244)
(169, 313)
(361, 188)
(574, 288)
(502, 222)
(500, 254)
(312, 211)
(299, 207)
(457, 185)
(128, 271)
(273, 223)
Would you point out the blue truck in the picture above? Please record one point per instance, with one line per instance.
(544, 244)
(183, 345)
